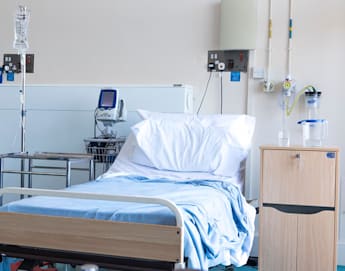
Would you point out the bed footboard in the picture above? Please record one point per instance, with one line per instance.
(89, 236)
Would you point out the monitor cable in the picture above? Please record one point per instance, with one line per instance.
(221, 92)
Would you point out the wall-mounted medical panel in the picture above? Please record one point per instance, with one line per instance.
(238, 24)
(12, 63)
(228, 60)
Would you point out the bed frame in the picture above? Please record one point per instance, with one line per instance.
(129, 246)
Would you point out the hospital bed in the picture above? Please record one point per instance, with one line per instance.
(172, 196)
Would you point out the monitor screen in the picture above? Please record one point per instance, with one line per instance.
(107, 98)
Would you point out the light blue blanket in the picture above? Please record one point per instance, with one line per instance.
(219, 224)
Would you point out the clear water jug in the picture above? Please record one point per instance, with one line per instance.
(314, 132)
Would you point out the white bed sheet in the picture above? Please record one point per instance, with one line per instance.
(124, 166)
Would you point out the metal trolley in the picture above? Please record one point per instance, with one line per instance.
(104, 150)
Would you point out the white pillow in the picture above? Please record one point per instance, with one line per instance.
(144, 114)
(241, 127)
(187, 145)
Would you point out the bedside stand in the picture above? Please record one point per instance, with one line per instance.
(298, 209)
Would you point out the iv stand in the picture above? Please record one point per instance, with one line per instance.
(22, 102)
(22, 116)
(20, 42)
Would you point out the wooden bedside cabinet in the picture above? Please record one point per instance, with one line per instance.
(298, 209)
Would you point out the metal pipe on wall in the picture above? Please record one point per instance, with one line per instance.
(289, 61)
(268, 85)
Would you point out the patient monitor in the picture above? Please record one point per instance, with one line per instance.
(109, 111)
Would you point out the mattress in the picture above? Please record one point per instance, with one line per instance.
(219, 224)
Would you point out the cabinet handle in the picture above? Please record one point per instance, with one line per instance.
(298, 209)
(298, 156)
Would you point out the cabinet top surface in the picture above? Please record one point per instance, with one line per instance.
(299, 148)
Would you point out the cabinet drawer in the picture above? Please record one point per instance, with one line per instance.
(299, 177)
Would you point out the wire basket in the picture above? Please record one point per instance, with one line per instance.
(104, 150)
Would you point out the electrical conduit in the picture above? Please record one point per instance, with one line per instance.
(268, 86)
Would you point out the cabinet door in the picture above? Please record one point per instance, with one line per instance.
(297, 242)
(316, 239)
(278, 240)
(298, 177)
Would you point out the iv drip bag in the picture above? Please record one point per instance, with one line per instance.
(21, 23)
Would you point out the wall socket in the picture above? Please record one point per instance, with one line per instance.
(12, 63)
(228, 60)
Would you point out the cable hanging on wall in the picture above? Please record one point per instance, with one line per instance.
(205, 92)
(221, 92)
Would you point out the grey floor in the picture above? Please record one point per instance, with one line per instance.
(62, 267)
(249, 268)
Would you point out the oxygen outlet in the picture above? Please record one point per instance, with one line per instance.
(268, 86)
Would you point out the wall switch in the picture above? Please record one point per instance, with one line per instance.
(258, 73)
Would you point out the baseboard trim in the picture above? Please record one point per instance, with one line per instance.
(341, 253)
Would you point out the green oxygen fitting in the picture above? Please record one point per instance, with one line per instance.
(289, 87)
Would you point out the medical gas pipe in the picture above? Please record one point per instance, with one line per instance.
(268, 85)
(290, 41)
(289, 87)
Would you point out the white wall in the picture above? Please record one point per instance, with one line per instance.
(166, 41)
(318, 56)
(107, 41)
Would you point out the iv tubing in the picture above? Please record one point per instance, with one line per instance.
(289, 110)
(290, 40)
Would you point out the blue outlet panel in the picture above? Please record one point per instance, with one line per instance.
(235, 76)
